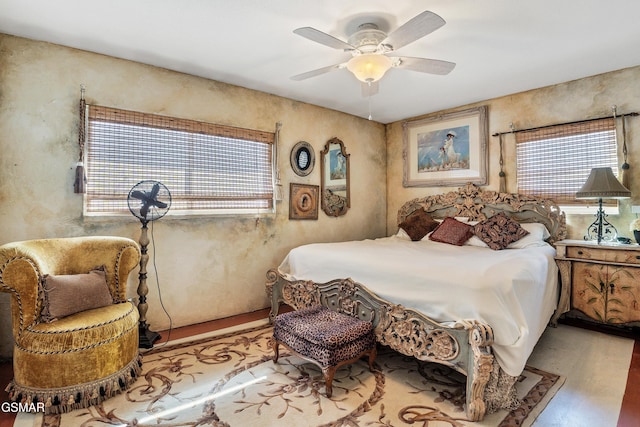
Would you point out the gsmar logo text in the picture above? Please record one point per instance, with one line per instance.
(22, 407)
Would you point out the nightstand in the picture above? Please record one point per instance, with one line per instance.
(600, 283)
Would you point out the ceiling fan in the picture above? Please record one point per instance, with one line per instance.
(369, 47)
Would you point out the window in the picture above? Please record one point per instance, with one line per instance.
(208, 168)
(554, 161)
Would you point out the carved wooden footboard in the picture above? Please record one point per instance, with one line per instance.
(463, 348)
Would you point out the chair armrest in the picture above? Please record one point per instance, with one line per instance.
(129, 258)
(19, 276)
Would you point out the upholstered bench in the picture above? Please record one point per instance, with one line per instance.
(324, 337)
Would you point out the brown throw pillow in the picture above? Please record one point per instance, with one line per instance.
(65, 295)
(418, 224)
(452, 231)
(499, 231)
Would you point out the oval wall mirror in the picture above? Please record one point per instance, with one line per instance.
(334, 164)
(302, 158)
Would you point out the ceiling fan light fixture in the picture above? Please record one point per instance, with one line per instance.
(369, 67)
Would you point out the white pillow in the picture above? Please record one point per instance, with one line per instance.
(475, 241)
(401, 234)
(538, 233)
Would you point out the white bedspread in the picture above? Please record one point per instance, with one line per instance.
(515, 291)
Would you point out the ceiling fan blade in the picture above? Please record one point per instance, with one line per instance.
(323, 38)
(415, 28)
(317, 72)
(424, 65)
(370, 89)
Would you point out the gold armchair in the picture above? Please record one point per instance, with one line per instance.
(81, 359)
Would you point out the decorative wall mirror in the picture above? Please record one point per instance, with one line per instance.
(334, 165)
(302, 158)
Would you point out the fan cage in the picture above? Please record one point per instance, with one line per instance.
(154, 212)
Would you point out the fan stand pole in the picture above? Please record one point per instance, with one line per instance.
(146, 336)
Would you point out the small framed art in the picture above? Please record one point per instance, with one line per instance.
(303, 201)
(302, 158)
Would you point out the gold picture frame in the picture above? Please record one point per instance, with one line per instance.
(447, 150)
(303, 201)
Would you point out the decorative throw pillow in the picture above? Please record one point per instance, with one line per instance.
(418, 224)
(65, 295)
(499, 231)
(452, 231)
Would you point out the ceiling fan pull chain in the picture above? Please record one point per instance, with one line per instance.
(370, 118)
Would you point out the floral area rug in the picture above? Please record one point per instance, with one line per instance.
(231, 380)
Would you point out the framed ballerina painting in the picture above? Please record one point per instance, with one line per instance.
(446, 150)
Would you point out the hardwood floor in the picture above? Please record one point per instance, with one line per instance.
(629, 413)
(6, 373)
(214, 325)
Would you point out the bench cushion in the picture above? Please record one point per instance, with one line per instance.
(326, 336)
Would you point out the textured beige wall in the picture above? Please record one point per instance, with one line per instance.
(208, 268)
(576, 100)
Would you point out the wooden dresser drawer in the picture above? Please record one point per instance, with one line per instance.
(603, 254)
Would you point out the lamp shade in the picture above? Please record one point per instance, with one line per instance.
(603, 184)
(369, 67)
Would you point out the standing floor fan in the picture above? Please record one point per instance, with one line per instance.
(148, 201)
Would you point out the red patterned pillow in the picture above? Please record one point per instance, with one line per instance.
(452, 231)
(499, 231)
(418, 224)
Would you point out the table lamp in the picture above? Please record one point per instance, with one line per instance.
(602, 184)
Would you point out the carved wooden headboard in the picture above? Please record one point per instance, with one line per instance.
(470, 201)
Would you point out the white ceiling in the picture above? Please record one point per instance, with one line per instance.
(500, 46)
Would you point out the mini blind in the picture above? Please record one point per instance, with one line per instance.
(554, 161)
(208, 168)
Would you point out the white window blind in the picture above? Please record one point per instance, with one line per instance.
(554, 161)
(208, 168)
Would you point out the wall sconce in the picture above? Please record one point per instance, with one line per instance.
(602, 184)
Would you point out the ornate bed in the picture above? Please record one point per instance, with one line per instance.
(466, 345)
